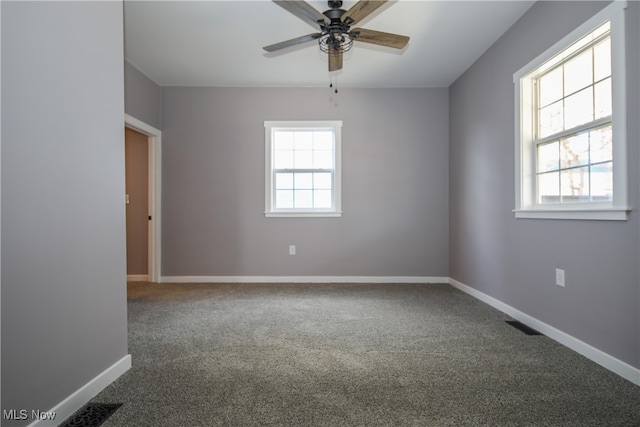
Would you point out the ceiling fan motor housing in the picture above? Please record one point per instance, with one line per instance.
(335, 16)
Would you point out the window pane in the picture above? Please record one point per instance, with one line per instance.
(603, 98)
(322, 199)
(572, 102)
(550, 86)
(323, 159)
(284, 199)
(303, 140)
(283, 159)
(602, 182)
(551, 119)
(302, 172)
(574, 185)
(303, 159)
(549, 187)
(548, 157)
(303, 199)
(578, 73)
(303, 181)
(602, 60)
(284, 181)
(601, 144)
(283, 140)
(578, 108)
(322, 181)
(323, 140)
(574, 151)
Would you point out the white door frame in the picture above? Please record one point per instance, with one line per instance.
(155, 182)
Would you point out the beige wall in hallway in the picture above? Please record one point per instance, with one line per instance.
(137, 187)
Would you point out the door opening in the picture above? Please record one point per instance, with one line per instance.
(141, 131)
(136, 153)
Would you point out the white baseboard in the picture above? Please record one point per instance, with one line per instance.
(598, 356)
(77, 400)
(303, 279)
(137, 277)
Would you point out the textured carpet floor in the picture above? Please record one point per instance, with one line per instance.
(349, 355)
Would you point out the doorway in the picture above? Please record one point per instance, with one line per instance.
(143, 178)
(136, 154)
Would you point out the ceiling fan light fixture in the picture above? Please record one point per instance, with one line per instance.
(335, 42)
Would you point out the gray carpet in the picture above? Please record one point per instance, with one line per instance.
(349, 355)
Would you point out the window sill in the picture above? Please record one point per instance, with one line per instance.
(303, 214)
(612, 214)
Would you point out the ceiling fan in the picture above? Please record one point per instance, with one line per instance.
(336, 36)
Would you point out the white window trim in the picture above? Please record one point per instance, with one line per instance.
(525, 196)
(336, 211)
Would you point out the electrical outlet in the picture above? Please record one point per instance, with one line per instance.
(292, 249)
(560, 277)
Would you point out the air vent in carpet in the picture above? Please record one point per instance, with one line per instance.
(523, 328)
(92, 415)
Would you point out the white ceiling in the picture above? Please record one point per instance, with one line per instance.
(219, 43)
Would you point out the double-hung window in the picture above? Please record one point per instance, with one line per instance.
(302, 168)
(570, 141)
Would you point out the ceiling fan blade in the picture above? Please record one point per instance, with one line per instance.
(304, 11)
(335, 59)
(361, 10)
(292, 42)
(380, 38)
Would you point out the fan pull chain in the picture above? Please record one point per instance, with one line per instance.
(331, 84)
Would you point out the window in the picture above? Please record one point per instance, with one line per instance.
(570, 142)
(302, 168)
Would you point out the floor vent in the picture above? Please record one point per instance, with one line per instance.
(92, 415)
(523, 328)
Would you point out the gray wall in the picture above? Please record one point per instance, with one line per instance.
(395, 190)
(63, 243)
(514, 260)
(142, 96)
